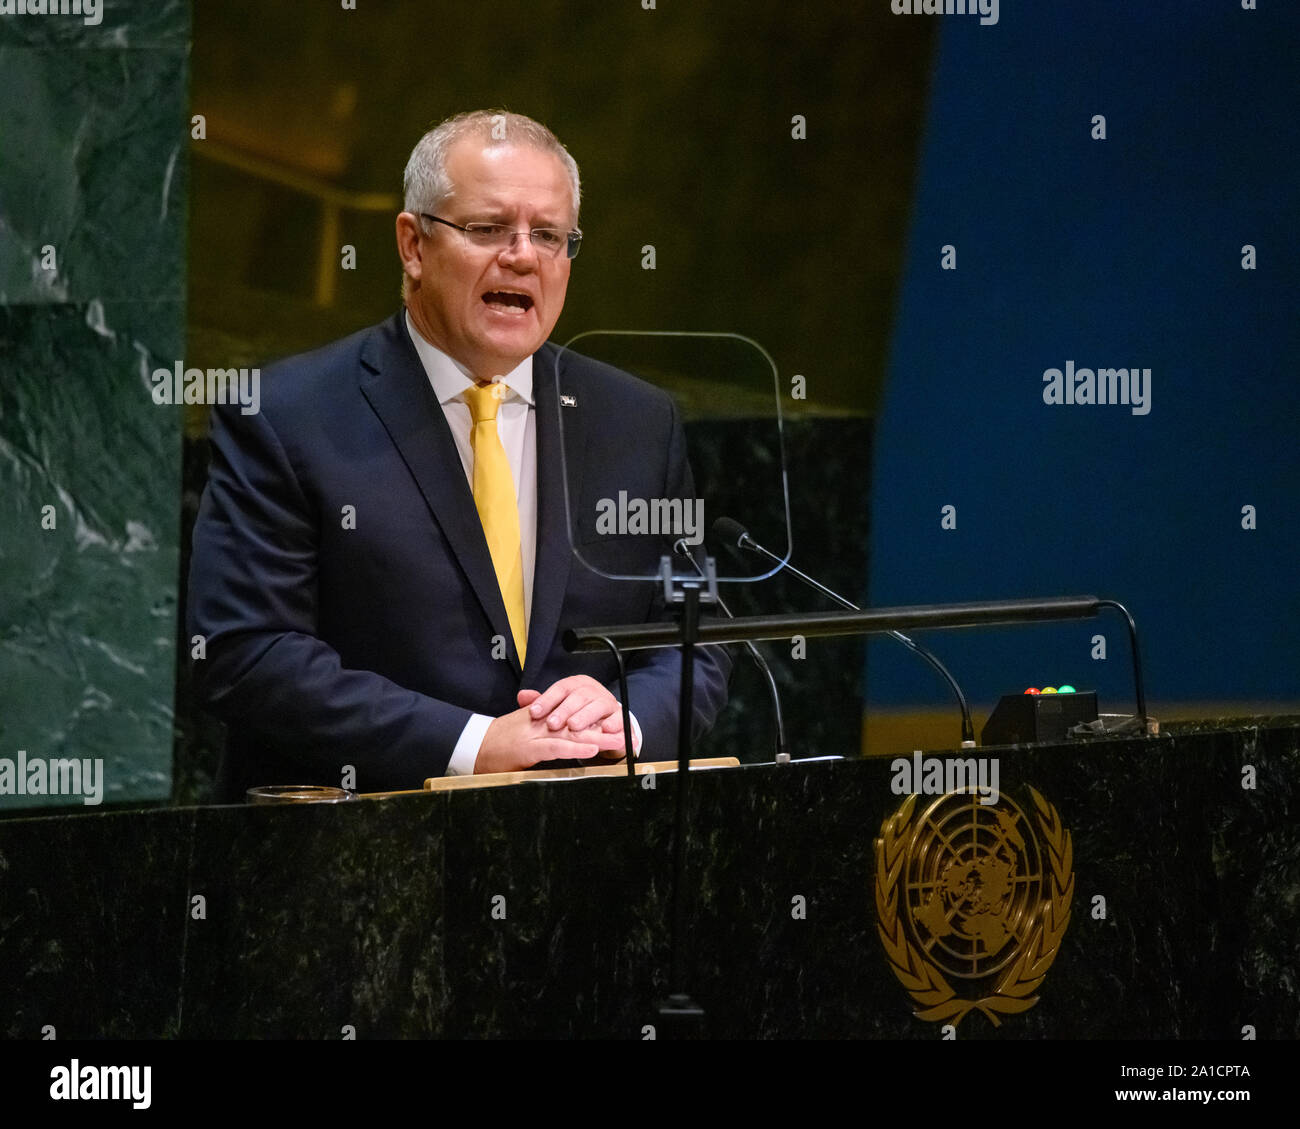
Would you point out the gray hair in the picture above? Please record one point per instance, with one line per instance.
(426, 183)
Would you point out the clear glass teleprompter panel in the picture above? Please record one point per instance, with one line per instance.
(624, 513)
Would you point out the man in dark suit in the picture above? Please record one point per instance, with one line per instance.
(382, 565)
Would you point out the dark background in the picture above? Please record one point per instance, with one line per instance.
(681, 121)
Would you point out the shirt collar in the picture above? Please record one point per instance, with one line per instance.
(450, 378)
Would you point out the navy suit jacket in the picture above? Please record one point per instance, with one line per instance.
(344, 589)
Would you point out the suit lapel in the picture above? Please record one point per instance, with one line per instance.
(554, 551)
(397, 389)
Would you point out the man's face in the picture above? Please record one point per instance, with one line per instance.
(490, 309)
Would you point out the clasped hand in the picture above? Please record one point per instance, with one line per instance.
(575, 718)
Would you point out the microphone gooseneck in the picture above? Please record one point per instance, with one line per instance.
(737, 538)
(782, 752)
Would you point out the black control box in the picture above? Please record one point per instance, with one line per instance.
(1021, 718)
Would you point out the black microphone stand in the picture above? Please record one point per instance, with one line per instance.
(782, 748)
(679, 1013)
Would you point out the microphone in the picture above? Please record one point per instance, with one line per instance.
(736, 537)
(782, 753)
(732, 534)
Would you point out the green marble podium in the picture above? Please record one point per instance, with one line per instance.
(542, 909)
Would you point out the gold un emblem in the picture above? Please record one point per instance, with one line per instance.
(965, 893)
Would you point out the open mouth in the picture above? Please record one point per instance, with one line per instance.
(507, 301)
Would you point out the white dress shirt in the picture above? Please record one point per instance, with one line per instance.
(517, 427)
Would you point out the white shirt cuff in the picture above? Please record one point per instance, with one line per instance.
(636, 735)
(465, 754)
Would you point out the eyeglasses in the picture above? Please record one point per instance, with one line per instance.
(548, 241)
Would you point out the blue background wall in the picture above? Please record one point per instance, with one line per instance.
(1112, 253)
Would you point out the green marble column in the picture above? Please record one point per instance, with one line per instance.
(93, 186)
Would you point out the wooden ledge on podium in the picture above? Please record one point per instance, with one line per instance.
(496, 779)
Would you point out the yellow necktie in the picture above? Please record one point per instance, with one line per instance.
(494, 498)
